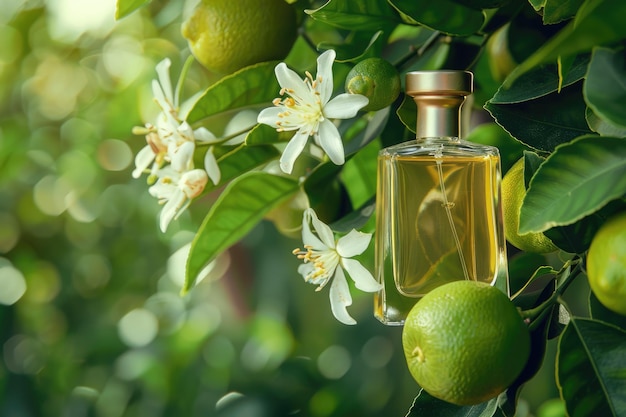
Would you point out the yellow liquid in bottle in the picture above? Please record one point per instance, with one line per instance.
(438, 220)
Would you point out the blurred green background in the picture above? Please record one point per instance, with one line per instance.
(91, 320)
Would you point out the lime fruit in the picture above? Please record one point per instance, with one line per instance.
(513, 192)
(376, 79)
(227, 35)
(465, 342)
(606, 264)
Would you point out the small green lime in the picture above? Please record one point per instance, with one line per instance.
(376, 79)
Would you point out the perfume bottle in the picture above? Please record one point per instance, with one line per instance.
(438, 206)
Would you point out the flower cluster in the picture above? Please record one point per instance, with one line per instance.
(168, 156)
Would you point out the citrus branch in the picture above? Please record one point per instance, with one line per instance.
(567, 276)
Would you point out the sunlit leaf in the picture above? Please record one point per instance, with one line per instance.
(596, 23)
(356, 15)
(540, 82)
(591, 369)
(578, 179)
(545, 122)
(242, 204)
(605, 86)
(427, 405)
(442, 15)
(252, 85)
(125, 7)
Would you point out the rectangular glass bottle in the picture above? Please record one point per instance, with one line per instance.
(438, 214)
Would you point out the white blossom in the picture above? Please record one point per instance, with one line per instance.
(175, 190)
(308, 110)
(325, 259)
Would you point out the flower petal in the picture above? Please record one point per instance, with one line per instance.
(205, 135)
(292, 151)
(345, 106)
(163, 72)
(143, 159)
(324, 232)
(354, 243)
(363, 279)
(182, 157)
(211, 167)
(325, 75)
(171, 208)
(340, 298)
(308, 237)
(269, 116)
(330, 140)
(291, 81)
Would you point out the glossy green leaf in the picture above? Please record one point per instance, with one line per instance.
(591, 369)
(578, 179)
(243, 159)
(356, 15)
(442, 15)
(532, 162)
(546, 122)
(356, 219)
(555, 11)
(262, 134)
(125, 7)
(427, 405)
(605, 86)
(252, 85)
(603, 127)
(242, 204)
(601, 313)
(540, 272)
(540, 82)
(597, 23)
(523, 265)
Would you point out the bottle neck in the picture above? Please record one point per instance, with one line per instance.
(438, 116)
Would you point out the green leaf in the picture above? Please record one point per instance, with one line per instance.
(493, 134)
(597, 22)
(545, 122)
(370, 15)
(555, 11)
(541, 272)
(242, 204)
(427, 405)
(605, 86)
(262, 134)
(521, 266)
(356, 219)
(532, 162)
(602, 126)
(591, 369)
(578, 179)
(540, 82)
(252, 85)
(600, 312)
(243, 159)
(442, 15)
(125, 7)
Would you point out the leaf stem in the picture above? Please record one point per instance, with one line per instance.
(418, 52)
(567, 277)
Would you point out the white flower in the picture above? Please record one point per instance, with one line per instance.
(176, 189)
(171, 139)
(325, 259)
(308, 110)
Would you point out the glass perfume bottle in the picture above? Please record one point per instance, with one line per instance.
(438, 207)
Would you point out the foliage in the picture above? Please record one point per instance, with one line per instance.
(564, 102)
(561, 106)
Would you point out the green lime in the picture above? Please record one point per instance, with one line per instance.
(227, 35)
(465, 342)
(376, 79)
(513, 192)
(606, 264)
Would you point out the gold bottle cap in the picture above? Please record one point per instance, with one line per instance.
(439, 96)
(439, 82)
